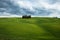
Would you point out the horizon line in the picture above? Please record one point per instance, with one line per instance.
(21, 16)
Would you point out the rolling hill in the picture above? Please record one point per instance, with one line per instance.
(30, 29)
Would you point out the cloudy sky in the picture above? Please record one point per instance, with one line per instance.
(50, 8)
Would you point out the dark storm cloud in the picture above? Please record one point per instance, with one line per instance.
(8, 7)
(30, 7)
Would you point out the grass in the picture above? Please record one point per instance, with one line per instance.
(30, 29)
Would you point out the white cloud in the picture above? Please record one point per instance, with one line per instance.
(4, 14)
(37, 3)
(24, 4)
(54, 14)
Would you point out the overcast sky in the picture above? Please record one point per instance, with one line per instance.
(30, 7)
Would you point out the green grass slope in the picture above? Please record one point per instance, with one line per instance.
(29, 29)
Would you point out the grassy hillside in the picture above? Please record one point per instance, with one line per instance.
(29, 29)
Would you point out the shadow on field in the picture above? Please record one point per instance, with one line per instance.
(3, 33)
(47, 25)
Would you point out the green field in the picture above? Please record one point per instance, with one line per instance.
(30, 29)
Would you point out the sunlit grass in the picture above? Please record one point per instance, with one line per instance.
(29, 29)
